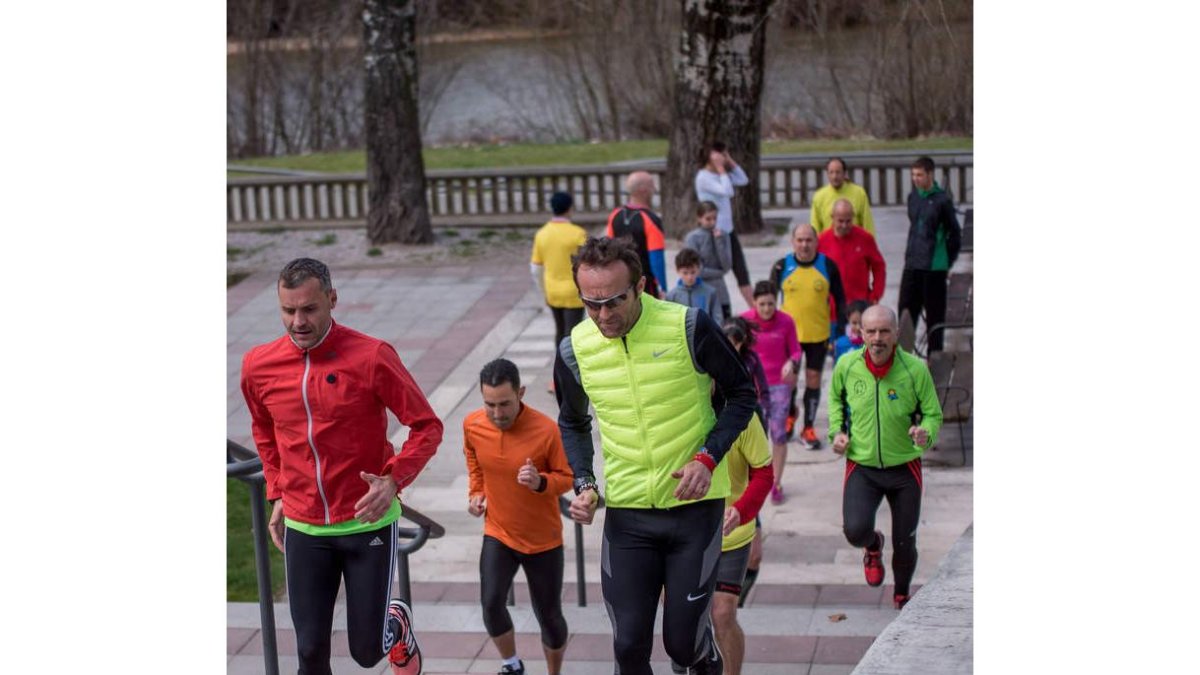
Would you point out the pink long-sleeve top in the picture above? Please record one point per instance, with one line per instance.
(775, 342)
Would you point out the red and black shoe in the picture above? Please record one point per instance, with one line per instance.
(405, 656)
(873, 563)
(901, 600)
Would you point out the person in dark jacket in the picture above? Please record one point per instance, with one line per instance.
(934, 238)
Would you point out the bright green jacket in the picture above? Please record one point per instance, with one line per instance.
(654, 408)
(878, 413)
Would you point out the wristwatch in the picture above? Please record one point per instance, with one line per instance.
(582, 484)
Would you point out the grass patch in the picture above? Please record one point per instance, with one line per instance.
(327, 240)
(513, 235)
(232, 252)
(487, 234)
(272, 230)
(554, 154)
(449, 233)
(374, 251)
(234, 278)
(241, 584)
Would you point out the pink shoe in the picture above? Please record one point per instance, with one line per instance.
(777, 495)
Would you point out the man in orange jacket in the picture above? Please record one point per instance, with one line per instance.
(518, 469)
(318, 399)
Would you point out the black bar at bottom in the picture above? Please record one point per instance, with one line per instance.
(262, 561)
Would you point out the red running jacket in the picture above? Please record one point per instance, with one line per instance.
(320, 417)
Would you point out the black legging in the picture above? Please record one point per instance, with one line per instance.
(316, 566)
(740, 271)
(863, 490)
(565, 319)
(925, 289)
(543, 572)
(645, 550)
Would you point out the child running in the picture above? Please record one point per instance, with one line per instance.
(779, 351)
(853, 338)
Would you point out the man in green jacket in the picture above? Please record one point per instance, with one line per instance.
(883, 414)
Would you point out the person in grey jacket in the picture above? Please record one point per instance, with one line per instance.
(691, 290)
(716, 257)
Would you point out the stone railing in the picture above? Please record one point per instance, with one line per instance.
(518, 196)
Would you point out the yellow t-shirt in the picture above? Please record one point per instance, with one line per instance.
(821, 215)
(553, 247)
(806, 300)
(749, 450)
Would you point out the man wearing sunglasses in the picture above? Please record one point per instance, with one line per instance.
(649, 367)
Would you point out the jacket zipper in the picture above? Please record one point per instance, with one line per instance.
(878, 425)
(637, 418)
(312, 442)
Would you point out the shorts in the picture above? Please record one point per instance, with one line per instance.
(731, 569)
(781, 401)
(814, 354)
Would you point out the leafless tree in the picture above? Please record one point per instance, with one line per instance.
(395, 168)
(718, 96)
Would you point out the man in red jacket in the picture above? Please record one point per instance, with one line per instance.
(853, 249)
(318, 399)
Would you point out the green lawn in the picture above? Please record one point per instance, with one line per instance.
(530, 154)
(241, 584)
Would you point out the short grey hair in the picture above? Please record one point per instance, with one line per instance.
(301, 270)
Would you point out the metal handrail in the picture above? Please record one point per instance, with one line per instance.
(245, 465)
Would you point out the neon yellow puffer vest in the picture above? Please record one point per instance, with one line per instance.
(654, 408)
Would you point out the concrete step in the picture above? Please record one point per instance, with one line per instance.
(801, 628)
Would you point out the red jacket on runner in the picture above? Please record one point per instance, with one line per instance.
(319, 417)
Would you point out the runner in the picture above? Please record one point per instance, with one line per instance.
(649, 367)
(517, 471)
(883, 414)
(749, 464)
(808, 281)
(779, 353)
(550, 265)
(318, 400)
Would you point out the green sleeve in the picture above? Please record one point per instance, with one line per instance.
(837, 385)
(931, 410)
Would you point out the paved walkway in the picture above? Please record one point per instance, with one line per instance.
(446, 323)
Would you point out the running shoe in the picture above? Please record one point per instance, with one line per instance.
(678, 669)
(873, 563)
(791, 421)
(901, 600)
(711, 664)
(509, 670)
(405, 656)
(777, 495)
(808, 438)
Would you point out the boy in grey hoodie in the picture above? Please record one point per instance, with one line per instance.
(716, 257)
(691, 290)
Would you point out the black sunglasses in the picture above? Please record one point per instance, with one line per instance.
(611, 302)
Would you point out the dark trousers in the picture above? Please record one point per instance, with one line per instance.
(740, 271)
(925, 289)
(645, 551)
(565, 319)
(316, 566)
(864, 488)
(543, 571)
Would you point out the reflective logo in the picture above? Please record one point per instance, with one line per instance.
(658, 354)
(691, 599)
(376, 542)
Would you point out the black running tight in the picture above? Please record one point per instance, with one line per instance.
(865, 487)
(543, 572)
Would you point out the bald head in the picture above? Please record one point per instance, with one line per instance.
(640, 185)
(843, 217)
(880, 329)
(804, 242)
(882, 313)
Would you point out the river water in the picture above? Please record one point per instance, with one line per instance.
(505, 91)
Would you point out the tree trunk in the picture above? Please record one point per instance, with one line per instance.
(718, 96)
(395, 169)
